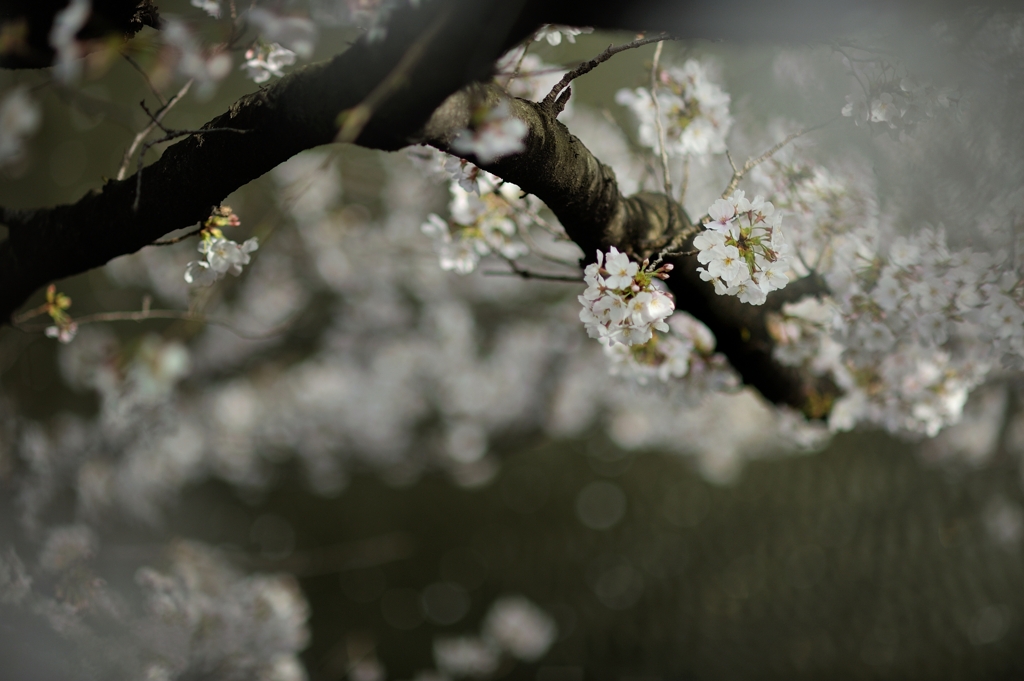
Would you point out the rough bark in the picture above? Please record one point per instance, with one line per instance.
(557, 168)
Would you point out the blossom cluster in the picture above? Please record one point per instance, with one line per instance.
(621, 304)
(297, 34)
(687, 345)
(482, 222)
(513, 626)
(892, 103)
(183, 54)
(910, 334)
(220, 254)
(694, 111)
(493, 133)
(742, 248)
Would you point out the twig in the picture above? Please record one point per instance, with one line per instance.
(126, 160)
(853, 71)
(18, 319)
(178, 239)
(588, 66)
(527, 274)
(356, 118)
(537, 251)
(739, 173)
(147, 314)
(142, 71)
(657, 121)
(518, 271)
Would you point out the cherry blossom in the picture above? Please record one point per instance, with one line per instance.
(265, 61)
(694, 110)
(221, 255)
(621, 304)
(553, 33)
(492, 134)
(743, 249)
(481, 224)
(294, 33)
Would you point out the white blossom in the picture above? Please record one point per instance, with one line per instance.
(493, 135)
(553, 33)
(293, 33)
(222, 256)
(190, 60)
(694, 110)
(742, 248)
(621, 304)
(519, 627)
(481, 224)
(211, 7)
(265, 61)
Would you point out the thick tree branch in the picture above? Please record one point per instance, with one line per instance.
(557, 168)
(298, 112)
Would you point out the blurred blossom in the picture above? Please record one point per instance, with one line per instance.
(67, 546)
(520, 628)
(1004, 521)
(694, 111)
(554, 33)
(190, 61)
(265, 61)
(295, 34)
(492, 134)
(211, 7)
(66, 25)
(466, 656)
(20, 117)
(15, 583)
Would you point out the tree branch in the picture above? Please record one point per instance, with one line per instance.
(584, 195)
(296, 113)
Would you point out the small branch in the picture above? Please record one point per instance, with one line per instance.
(155, 121)
(518, 271)
(853, 71)
(536, 250)
(739, 173)
(657, 121)
(178, 239)
(29, 314)
(142, 72)
(588, 66)
(146, 314)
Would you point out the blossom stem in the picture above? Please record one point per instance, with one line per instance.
(586, 67)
